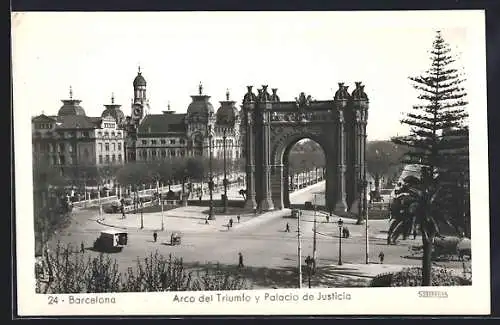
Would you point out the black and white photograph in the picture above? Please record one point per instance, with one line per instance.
(250, 162)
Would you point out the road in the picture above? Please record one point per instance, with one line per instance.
(270, 254)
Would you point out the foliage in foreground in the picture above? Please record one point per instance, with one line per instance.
(412, 277)
(67, 271)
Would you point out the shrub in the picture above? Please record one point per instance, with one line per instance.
(65, 270)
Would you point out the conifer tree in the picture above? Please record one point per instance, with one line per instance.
(435, 142)
(440, 113)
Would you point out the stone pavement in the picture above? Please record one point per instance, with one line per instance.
(186, 219)
(192, 218)
(373, 269)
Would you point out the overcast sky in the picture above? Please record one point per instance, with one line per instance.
(99, 53)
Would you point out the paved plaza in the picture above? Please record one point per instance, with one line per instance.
(270, 253)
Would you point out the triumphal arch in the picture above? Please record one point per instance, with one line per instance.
(271, 127)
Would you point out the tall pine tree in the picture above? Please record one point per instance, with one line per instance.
(436, 142)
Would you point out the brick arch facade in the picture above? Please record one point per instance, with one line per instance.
(271, 127)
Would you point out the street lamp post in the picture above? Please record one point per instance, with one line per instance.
(367, 246)
(314, 235)
(210, 176)
(142, 217)
(161, 204)
(340, 224)
(225, 182)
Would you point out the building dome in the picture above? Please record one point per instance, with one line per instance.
(114, 111)
(200, 106)
(71, 107)
(227, 114)
(139, 80)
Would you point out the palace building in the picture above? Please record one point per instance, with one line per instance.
(160, 136)
(83, 148)
(89, 149)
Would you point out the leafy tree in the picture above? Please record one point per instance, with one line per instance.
(49, 212)
(382, 158)
(425, 202)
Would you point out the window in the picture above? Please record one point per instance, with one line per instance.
(163, 141)
(106, 146)
(182, 141)
(144, 142)
(119, 158)
(172, 153)
(153, 142)
(144, 154)
(99, 134)
(100, 146)
(70, 148)
(119, 146)
(62, 160)
(172, 141)
(118, 134)
(54, 160)
(164, 153)
(61, 147)
(106, 134)
(51, 147)
(107, 158)
(182, 153)
(86, 153)
(112, 133)
(100, 159)
(85, 133)
(114, 146)
(113, 158)
(153, 154)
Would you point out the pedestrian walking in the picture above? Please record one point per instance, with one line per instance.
(206, 221)
(414, 233)
(287, 229)
(240, 260)
(345, 232)
(327, 219)
(82, 247)
(231, 222)
(238, 217)
(155, 236)
(200, 197)
(381, 257)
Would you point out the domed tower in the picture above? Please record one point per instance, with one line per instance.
(140, 103)
(114, 111)
(228, 126)
(71, 106)
(200, 114)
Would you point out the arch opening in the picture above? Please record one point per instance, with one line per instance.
(304, 164)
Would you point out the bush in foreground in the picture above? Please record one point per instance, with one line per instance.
(412, 277)
(66, 271)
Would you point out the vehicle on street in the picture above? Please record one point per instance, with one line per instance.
(111, 240)
(175, 238)
(113, 207)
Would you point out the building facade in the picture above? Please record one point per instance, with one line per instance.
(84, 149)
(89, 150)
(152, 137)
